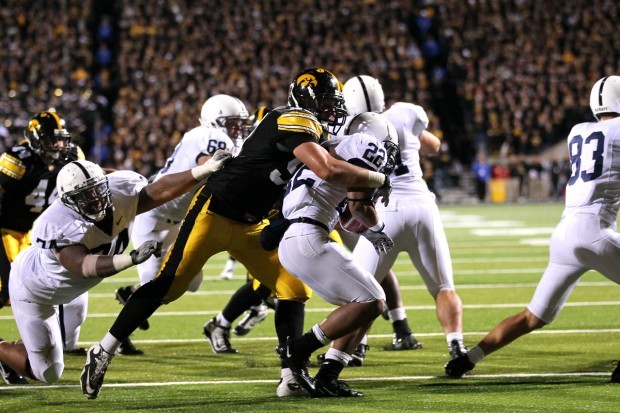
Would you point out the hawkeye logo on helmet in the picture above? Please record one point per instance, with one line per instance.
(307, 80)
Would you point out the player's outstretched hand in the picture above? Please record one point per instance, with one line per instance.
(383, 192)
(144, 251)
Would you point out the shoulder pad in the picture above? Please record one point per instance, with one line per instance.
(297, 120)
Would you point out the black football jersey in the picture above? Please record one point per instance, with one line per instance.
(250, 184)
(29, 186)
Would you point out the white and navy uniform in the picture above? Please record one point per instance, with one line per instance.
(163, 223)
(586, 237)
(411, 218)
(306, 250)
(39, 283)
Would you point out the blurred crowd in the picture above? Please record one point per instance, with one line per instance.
(500, 78)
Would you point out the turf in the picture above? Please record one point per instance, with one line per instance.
(499, 253)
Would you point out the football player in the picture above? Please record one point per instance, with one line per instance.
(79, 240)
(412, 219)
(312, 207)
(28, 186)
(585, 238)
(229, 212)
(222, 119)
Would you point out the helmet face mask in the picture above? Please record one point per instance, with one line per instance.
(226, 113)
(48, 137)
(319, 92)
(376, 125)
(605, 97)
(83, 187)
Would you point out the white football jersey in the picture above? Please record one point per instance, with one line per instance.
(200, 141)
(45, 280)
(410, 121)
(309, 196)
(594, 185)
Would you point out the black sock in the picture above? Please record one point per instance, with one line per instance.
(401, 328)
(330, 370)
(289, 320)
(307, 344)
(140, 306)
(244, 298)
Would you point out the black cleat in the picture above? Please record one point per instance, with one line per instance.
(128, 349)
(456, 349)
(10, 376)
(91, 379)
(253, 316)
(615, 376)
(359, 355)
(459, 366)
(122, 296)
(298, 365)
(334, 388)
(406, 342)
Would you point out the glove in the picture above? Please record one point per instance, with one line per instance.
(383, 192)
(217, 162)
(380, 240)
(144, 252)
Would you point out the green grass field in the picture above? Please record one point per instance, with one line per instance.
(498, 252)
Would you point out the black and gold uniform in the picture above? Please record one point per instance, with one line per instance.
(229, 211)
(28, 185)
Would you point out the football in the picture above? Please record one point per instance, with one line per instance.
(350, 224)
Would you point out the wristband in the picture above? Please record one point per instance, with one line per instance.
(375, 179)
(199, 172)
(121, 262)
(378, 227)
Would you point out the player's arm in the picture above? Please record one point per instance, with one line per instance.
(363, 209)
(429, 143)
(336, 171)
(174, 185)
(79, 261)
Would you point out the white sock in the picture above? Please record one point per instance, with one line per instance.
(364, 339)
(286, 372)
(397, 314)
(109, 344)
(454, 336)
(475, 355)
(221, 321)
(339, 356)
(320, 335)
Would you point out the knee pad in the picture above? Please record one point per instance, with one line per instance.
(51, 374)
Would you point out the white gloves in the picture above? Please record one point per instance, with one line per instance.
(217, 162)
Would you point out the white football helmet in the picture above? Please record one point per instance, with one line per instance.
(83, 187)
(363, 94)
(378, 126)
(605, 96)
(225, 112)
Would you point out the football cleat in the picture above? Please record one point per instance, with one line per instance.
(459, 366)
(456, 349)
(298, 365)
(615, 376)
(334, 388)
(91, 379)
(128, 349)
(218, 337)
(252, 317)
(288, 387)
(122, 296)
(407, 342)
(10, 376)
(358, 356)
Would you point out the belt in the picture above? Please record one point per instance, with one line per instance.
(305, 220)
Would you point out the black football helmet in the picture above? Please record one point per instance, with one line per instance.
(47, 136)
(319, 91)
